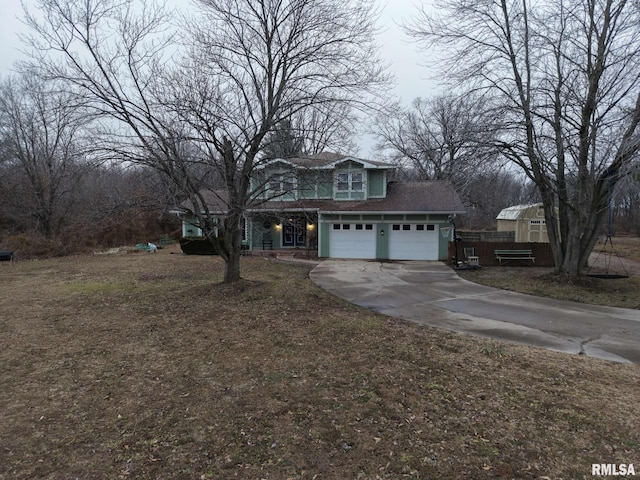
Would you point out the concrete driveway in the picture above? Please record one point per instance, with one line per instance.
(432, 294)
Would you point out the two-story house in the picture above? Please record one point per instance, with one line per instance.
(345, 207)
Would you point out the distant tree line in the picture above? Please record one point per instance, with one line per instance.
(59, 192)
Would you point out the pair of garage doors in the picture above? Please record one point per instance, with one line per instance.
(405, 241)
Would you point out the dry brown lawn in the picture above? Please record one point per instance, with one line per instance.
(144, 366)
(613, 260)
(623, 247)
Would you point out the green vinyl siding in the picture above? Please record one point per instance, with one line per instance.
(325, 184)
(376, 183)
(288, 196)
(443, 243)
(307, 182)
(382, 242)
(323, 239)
(349, 165)
(191, 226)
(258, 184)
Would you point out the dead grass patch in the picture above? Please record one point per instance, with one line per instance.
(614, 292)
(145, 366)
(624, 247)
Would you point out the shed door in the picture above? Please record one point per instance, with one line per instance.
(537, 230)
(352, 240)
(413, 242)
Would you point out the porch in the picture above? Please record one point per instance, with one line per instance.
(277, 231)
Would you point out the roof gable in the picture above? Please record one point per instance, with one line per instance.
(348, 164)
(326, 161)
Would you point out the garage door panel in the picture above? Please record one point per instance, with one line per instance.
(349, 241)
(413, 242)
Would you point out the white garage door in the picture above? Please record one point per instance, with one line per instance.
(352, 240)
(413, 242)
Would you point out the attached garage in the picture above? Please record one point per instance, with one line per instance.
(412, 222)
(413, 241)
(352, 240)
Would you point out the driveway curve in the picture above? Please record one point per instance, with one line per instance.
(430, 293)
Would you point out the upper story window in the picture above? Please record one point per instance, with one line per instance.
(350, 181)
(282, 183)
(350, 185)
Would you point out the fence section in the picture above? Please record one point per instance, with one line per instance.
(485, 252)
(489, 236)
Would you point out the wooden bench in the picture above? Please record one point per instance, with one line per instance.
(507, 255)
(6, 256)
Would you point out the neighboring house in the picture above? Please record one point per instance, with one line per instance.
(527, 221)
(345, 208)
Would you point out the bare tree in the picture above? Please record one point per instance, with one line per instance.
(488, 193)
(446, 137)
(283, 142)
(625, 204)
(319, 128)
(248, 65)
(441, 138)
(329, 127)
(119, 204)
(566, 75)
(259, 63)
(45, 150)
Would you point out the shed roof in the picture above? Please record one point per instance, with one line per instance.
(515, 212)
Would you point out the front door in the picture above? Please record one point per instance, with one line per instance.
(294, 232)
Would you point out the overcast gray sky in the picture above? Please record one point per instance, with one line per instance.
(404, 58)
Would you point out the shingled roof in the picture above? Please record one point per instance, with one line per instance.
(216, 201)
(434, 197)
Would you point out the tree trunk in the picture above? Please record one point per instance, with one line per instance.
(571, 261)
(232, 246)
(232, 267)
(237, 188)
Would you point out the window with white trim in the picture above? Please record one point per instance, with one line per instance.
(350, 185)
(282, 183)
